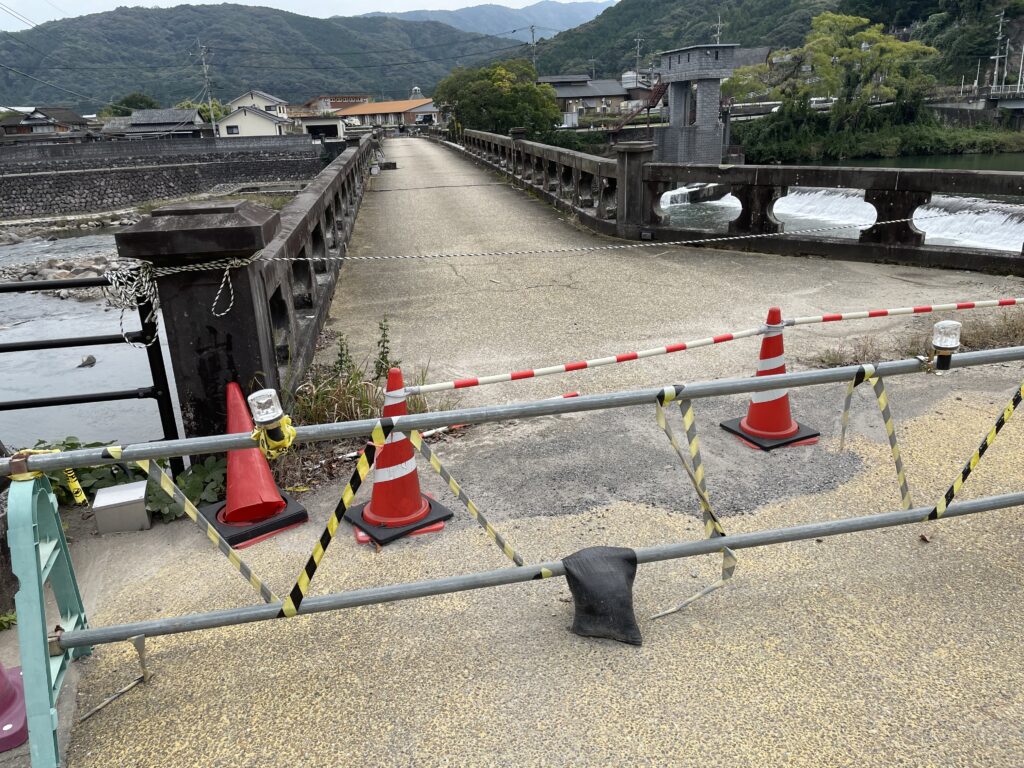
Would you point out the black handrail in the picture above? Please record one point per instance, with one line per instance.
(160, 389)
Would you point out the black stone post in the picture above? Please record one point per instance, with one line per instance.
(894, 204)
(631, 156)
(208, 351)
(757, 217)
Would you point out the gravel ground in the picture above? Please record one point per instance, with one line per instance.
(872, 649)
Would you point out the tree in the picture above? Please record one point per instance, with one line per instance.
(125, 105)
(851, 60)
(499, 97)
(219, 110)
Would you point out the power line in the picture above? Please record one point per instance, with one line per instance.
(17, 15)
(89, 99)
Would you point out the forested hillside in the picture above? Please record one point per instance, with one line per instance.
(101, 57)
(549, 17)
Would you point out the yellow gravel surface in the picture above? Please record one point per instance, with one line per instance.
(874, 649)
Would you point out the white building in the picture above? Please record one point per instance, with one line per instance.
(252, 121)
(262, 101)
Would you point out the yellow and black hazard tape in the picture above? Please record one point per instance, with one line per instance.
(418, 443)
(940, 509)
(73, 485)
(275, 440)
(381, 430)
(867, 373)
(712, 525)
(168, 486)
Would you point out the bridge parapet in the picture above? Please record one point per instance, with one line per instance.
(280, 288)
(623, 197)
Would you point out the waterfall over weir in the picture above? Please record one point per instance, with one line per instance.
(965, 221)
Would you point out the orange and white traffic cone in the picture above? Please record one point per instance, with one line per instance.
(397, 507)
(769, 423)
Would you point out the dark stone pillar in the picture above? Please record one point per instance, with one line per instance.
(894, 204)
(208, 351)
(631, 156)
(757, 218)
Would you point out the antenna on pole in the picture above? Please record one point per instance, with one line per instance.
(718, 30)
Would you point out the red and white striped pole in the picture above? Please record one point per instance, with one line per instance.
(769, 423)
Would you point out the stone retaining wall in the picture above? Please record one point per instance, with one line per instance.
(95, 189)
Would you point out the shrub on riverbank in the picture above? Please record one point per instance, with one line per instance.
(807, 138)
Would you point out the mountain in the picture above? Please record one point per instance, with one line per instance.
(103, 56)
(548, 16)
(666, 24)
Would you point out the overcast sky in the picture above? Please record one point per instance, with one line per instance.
(38, 11)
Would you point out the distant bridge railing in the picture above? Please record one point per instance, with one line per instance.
(160, 148)
(623, 197)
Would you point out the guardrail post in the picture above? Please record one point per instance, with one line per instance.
(631, 156)
(208, 350)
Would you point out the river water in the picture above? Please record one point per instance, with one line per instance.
(966, 221)
(53, 373)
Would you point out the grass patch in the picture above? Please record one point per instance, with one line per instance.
(345, 390)
(277, 202)
(1005, 329)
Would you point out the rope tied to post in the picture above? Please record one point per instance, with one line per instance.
(135, 285)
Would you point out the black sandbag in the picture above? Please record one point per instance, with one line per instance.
(601, 582)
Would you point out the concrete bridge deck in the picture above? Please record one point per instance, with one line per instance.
(870, 650)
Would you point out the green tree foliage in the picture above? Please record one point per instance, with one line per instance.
(891, 13)
(125, 105)
(219, 110)
(499, 97)
(851, 60)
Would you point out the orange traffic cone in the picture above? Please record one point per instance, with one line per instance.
(769, 423)
(397, 507)
(255, 508)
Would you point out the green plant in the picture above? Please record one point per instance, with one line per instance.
(384, 363)
(203, 482)
(8, 620)
(91, 479)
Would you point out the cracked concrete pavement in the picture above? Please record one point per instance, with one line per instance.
(877, 649)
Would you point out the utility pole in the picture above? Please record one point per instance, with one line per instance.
(533, 45)
(977, 78)
(638, 41)
(718, 30)
(1020, 70)
(999, 46)
(593, 68)
(202, 53)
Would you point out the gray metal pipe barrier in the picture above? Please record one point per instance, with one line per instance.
(395, 592)
(219, 443)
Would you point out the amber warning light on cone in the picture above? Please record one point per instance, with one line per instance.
(945, 341)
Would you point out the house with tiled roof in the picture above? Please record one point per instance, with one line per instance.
(404, 112)
(157, 124)
(42, 120)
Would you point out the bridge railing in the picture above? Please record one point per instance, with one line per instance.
(583, 184)
(623, 197)
(246, 289)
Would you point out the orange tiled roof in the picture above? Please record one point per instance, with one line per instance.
(382, 107)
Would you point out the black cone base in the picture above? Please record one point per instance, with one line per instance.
(381, 535)
(765, 444)
(236, 535)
